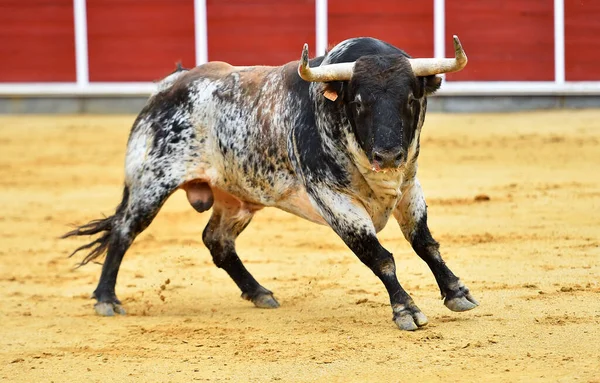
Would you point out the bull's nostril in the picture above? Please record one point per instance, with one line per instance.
(399, 157)
(378, 158)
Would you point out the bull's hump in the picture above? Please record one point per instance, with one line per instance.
(213, 70)
(217, 70)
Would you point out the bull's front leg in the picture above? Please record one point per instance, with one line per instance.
(411, 213)
(351, 222)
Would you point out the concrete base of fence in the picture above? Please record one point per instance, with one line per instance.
(453, 104)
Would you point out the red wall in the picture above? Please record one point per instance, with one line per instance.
(141, 40)
(509, 40)
(407, 24)
(267, 32)
(582, 40)
(133, 40)
(37, 41)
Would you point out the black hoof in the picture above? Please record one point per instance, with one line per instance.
(107, 304)
(460, 300)
(108, 309)
(409, 319)
(263, 299)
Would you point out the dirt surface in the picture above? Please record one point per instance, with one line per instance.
(514, 200)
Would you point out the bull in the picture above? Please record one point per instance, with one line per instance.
(334, 140)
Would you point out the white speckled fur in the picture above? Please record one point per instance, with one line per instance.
(235, 117)
(221, 112)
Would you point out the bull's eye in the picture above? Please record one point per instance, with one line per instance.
(357, 106)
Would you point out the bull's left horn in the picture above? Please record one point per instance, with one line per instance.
(428, 67)
(325, 73)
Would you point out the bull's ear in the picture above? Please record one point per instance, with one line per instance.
(432, 84)
(332, 90)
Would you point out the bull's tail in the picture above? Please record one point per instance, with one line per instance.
(104, 227)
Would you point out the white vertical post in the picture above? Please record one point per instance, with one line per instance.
(559, 41)
(81, 43)
(439, 28)
(321, 26)
(200, 32)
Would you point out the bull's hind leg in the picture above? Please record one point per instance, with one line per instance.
(142, 206)
(161, 149)
(138, 208)
(225, 224)
(411, 214)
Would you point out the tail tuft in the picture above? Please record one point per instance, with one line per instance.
(105, 226)
(98, 246)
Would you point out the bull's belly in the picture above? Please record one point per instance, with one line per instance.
(287, 195)
(299, 204)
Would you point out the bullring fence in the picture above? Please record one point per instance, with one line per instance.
(119, 47)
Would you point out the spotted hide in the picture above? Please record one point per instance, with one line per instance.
(341, 153)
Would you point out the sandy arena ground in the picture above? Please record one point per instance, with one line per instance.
(531, 255)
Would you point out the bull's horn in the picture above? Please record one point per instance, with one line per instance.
(428, 67)
(325, 73)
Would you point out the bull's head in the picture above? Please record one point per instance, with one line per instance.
(383, 97)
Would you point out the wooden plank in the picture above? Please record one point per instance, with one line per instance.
(265, 32)
(403, 23)
(505, 40)
(582, 40)
(131, 40)
(37, 41)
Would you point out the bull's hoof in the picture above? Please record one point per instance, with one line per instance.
(460, 300)
(108, 309)
(263, 299)
(459, 304)
(410, 320)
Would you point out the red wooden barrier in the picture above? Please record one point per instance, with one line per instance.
(505, 40)
(404, 23)
(141, 40)
(133, 40)
(37, 41)
(582, 40)
(259, 32)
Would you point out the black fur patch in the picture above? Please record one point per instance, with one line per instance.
(432, 84)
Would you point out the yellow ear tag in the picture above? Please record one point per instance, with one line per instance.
(330, 95)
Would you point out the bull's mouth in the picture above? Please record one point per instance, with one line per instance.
(376, 168)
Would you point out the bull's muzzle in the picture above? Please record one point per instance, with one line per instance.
(387, 159)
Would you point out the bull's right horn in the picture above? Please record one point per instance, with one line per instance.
(428, 67)
(325, 73)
